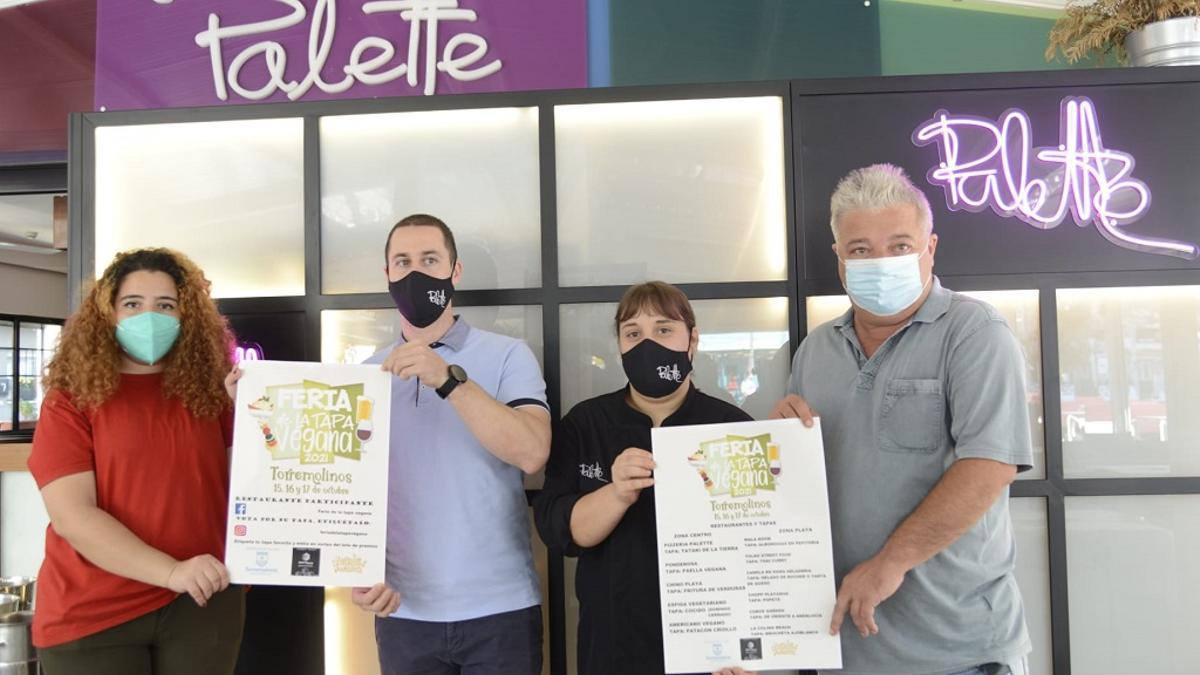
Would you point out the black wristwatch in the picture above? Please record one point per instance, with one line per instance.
(457, 377)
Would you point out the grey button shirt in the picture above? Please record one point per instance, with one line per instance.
(949, 385)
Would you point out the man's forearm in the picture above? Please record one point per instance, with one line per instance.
(516, 436)
(963, 495)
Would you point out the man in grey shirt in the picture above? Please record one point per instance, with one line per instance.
(921, 394)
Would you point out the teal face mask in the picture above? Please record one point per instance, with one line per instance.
(885, 286)
(148, 336)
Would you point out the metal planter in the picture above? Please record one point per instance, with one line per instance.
(1174, 42)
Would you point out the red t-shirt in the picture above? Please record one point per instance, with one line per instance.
(160, 470)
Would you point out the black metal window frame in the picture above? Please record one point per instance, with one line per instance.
(1054, 488)
(16, 433)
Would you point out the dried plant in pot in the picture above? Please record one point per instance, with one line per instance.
(1137, 32)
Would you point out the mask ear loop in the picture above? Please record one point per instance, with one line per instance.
(925, 284)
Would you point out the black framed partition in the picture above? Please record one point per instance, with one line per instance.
(290, 326)
(1091, 292)
(561, 199)
(26, 345)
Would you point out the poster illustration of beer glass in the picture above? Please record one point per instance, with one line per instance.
(308, 485)
(745, 556)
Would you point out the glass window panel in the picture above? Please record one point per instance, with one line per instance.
(541, 564)
(1033, 576)
(1130, 381)
(50, 333)
(648, 189)
(477, 170)
(37, 347)
(743, 356)
(8, 395)
(570, 567)
(229, 195)
(29, 398)
(7, 385)
(31, 335)
(1020, 310)
(27, 219)
(351, 335)
(1131, 575)
(29, 361)
(23, 522)
(39, 336)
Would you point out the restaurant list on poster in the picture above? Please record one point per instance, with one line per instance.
(745, 557)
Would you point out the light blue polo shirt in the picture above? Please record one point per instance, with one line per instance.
(458, 543)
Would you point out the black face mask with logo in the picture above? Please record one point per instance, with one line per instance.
(655, 371)
(421, 298)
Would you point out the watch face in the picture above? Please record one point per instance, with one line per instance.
(457, 372)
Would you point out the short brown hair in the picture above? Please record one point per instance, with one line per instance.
(657, 297)
(423, 220)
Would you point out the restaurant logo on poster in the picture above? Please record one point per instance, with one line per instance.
(737, 466)
(349, 564)
(785, 648)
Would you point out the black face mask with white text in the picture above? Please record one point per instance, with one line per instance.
(654, 370)
(421, 298)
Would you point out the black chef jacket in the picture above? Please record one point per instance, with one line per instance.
(620, 622)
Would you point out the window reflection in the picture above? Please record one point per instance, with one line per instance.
(350, 336)
(676, 182)
(229, 195)
(1130, 359)
(743, 356)
(25, 349)
(38, 341)
(475, 169)
(1033, 576)
(1131, 564)
(7, 381)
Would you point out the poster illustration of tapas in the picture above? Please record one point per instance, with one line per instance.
(308, 484)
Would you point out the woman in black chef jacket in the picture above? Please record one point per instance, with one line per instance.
(598, 499)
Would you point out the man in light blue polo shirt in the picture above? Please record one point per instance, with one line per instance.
(469, 416)
(921, 394)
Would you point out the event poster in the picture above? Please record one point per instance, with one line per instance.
(745, 559)
(308, 490)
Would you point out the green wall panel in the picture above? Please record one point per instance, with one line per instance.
(919, 37)
(672, 41)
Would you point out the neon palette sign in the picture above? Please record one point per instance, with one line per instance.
(993, 165)
(247, 351)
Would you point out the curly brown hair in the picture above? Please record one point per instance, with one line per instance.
(87, 362)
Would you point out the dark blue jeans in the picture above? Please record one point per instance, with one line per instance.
(1021, 667)
(500, 644)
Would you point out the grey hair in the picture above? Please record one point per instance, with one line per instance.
(877, 187)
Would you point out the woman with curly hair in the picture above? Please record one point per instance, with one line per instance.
(131, 456)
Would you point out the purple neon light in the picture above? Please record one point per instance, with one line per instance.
(986, 164)
(248, 351)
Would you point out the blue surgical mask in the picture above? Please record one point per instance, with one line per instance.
(885, 286)
(147, 337)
